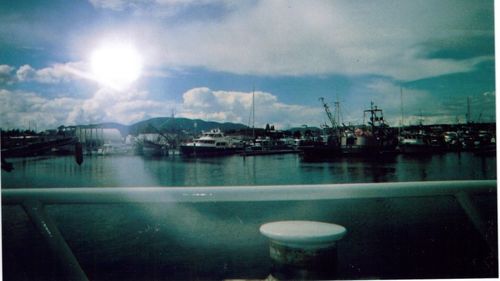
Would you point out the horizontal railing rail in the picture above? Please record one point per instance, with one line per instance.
(89, 195)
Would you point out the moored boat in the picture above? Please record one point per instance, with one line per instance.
(419, 143)
(211, 143)
(269, 146)
(150, 148)
(373, 139)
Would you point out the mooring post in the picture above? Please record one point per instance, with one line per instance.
(302, 250)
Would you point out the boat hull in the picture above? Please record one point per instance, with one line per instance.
(268, 152)
(316, 152)
(148, 148)
(192, 150)
(332, 152)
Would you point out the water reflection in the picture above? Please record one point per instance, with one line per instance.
(236, 170)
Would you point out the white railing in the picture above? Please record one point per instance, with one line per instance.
(90, 195)
(34, 199)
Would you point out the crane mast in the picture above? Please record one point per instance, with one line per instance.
(329, 113)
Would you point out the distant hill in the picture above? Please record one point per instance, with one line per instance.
(169, 124)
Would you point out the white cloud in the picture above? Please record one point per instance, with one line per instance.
(25, 73)
(6, 76)
(123, 107)
(324, 37)
(156, 7)
(56, 73)
(276, 37)
(19, 108)
(231, 106)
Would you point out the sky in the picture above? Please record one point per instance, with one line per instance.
(418, 60)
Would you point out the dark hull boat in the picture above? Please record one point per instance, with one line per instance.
(318, 150)
(150, 148)
(374, 140)
(420, 149)
(65, 144)
(193, 150)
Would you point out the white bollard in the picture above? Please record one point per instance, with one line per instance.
(303, 249)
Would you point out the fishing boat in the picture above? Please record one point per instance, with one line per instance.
(153, 149)
(326, 147)
(211, 143)
(155, 144)
(269, 146)
(372, 139)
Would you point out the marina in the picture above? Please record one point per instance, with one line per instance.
(362, 141)
(187, 198)
(85, 202)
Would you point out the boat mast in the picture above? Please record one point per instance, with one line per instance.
(337, 112)
(253, 113)
(376, 116)
(372, 116)
(467, 116)
(328, 112)
(335, 122)
(402, 110)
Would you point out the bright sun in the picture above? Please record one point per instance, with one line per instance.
(116, 66)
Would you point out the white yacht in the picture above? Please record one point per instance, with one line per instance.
(213, 142)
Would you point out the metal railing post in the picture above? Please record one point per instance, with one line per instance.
(475, 217)
(57, 245)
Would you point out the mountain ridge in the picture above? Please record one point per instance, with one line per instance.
(171, 124)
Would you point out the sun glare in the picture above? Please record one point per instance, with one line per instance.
(116, 66)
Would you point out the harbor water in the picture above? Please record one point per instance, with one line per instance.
(287, 169)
